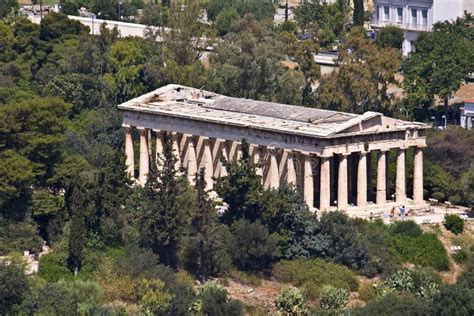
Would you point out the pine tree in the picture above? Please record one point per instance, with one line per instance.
(358, 17)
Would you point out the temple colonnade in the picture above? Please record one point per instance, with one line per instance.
(328, 181)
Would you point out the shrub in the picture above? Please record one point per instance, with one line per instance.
(290, 302)
(211, 299)
(408, 228)
(460, 256)
(333, 299)
(52, 268)
(467, 277)
(438, 196)
(19, 236)
(454, 223)
(454, 300)
(312, 274)
(420, 283)
(425, 250)
(394, 305)
(367, 291)
(253, 248)
(13, 286)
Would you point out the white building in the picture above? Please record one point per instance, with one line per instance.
(415, 16)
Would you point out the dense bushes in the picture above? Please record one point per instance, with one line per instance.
(19, 236)
(13, 286)
(454, 223)
(290, 302)
(408, 243)
(394, 305)
(312, 274)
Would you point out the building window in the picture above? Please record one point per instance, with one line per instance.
(414, 13)
(412, 46)
(386, 13)
(424, 17)
(400, 15)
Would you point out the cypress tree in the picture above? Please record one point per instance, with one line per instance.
(358, 17)
(79, 208)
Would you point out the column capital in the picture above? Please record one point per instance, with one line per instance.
(127, 126)
(345, 154)
(141, 128)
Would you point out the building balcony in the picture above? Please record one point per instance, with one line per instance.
(377, 23)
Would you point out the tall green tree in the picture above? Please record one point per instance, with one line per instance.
(207, 249)
(165, 208)
(80, 208)
(358, 17)
(6, 6)
(442, 60)
(241, 189)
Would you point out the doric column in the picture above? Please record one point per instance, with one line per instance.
(325, 186)
(290, 169)
(418, 176)
(191, 161)
(219, 153)
(256, 160)
(342, 196)
(176, 153)
(129, 152)
(159, 147)
(362, 180)
(308, 185)
(144, 156)
(400, 186)
(206, 162)
(272, 180)
(381, 178)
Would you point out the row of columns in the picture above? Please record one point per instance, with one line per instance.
(275, 165)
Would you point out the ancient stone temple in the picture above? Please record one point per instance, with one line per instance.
(328, 155)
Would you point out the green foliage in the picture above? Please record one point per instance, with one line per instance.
(53, 267)
(206, 249)
(7, 6)
(290, 301)
(453, 300)
(63, 298)
(333, 299)
(424, 250)
(422, 81)
(407, 228)
(80, 207)
(253, 248)
(313, 274)
(358, 17)
(13, 286)
(211, 299)
(466, 279)
(260, 9)
(393, 305)
(56, 25)
(367, 291)
(19, 236)
(365, 72)
(454, 223)
(165, 207)
(240, 189)
(420, 283)
(390, 36)
(155, 299)
(224, 20)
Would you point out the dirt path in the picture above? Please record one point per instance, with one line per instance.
(262, 296)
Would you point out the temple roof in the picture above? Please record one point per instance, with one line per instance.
(181, 101)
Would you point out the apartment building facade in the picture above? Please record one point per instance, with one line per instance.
(415, 16)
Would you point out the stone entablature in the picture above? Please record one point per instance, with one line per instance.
(288, 142)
